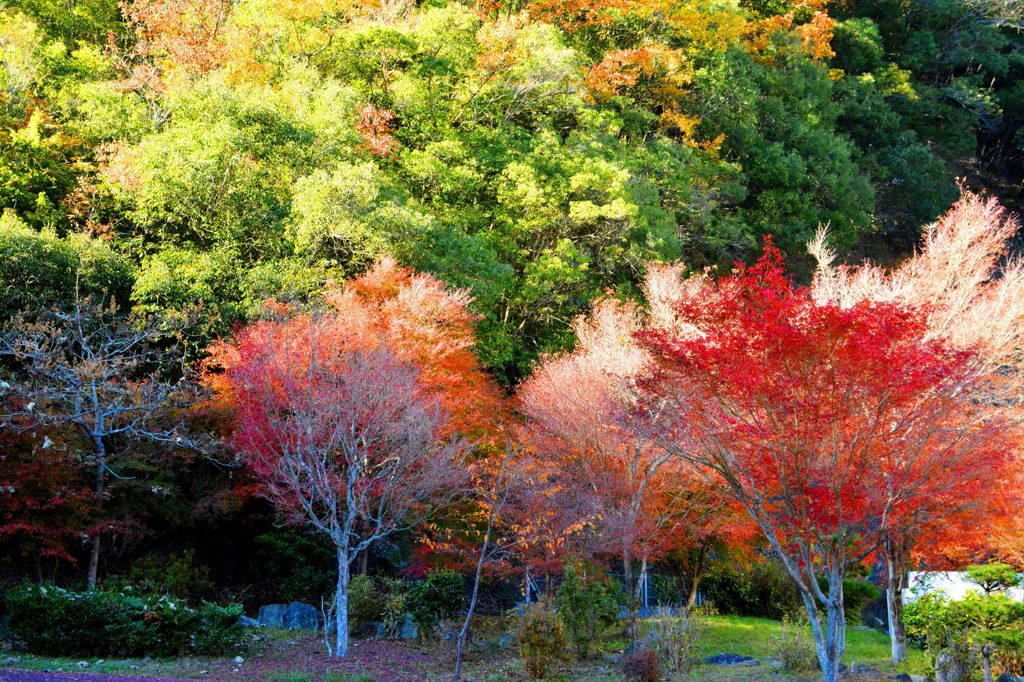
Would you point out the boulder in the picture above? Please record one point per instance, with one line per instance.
(246, 621)
(294, 616)
(409, 629)
(730, 659)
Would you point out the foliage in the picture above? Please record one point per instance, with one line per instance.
(993, 577)
(179, 577)
(587, 602)
(439, 596)
(58, 622)
(42, 270)
(762, 590)
(641, 665)
(364, 603)
(857, 594)
(300, 567)
(541, 639)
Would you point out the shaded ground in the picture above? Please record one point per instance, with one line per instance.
(278, 656)
(37, 676)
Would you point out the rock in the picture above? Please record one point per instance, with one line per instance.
(1007, 677)
(246, 621)
(506, 641)
(731, 659)
(294, 616)
(902, 677)
(83, 664)
(10, 660)
(409, 629)
(239, 660)
(864, 669)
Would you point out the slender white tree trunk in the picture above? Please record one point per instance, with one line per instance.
(341, 605)
(99, 490)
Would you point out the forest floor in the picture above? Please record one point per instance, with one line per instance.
(278, 656)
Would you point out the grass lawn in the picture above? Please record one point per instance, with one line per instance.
(757, 636)
(292, 657)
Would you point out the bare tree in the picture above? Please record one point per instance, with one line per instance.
(96, 370)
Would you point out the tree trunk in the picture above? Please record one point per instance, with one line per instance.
(986, 662)
(896, 582)
(627, 578)
(698, 574)
(691, 598)
(641, 583)
(831, 643)
(341, 605)
(94, 549)
(461, 642)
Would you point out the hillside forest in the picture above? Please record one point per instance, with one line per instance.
(513, 213)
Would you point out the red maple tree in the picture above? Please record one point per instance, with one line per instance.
(972, 292)
(830, 425)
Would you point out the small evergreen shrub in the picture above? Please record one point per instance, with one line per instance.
(541, 639)
(365, 603)
(439, 596)
(587, 602)
(57, 622)
(641, 665)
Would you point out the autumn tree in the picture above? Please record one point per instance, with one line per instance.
(973, 295)
(640, 501)
(351, 417)
(97, 371)
(830, 425)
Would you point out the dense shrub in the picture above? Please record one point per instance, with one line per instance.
(179, 576)
(641, 665)
(763, 591)
(541, 639)
(393, 596)
(856, 595)
(58, 622)
(587, 602)
(365, 602)
(439, 596)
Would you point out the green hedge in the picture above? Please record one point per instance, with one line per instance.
(58, 622)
